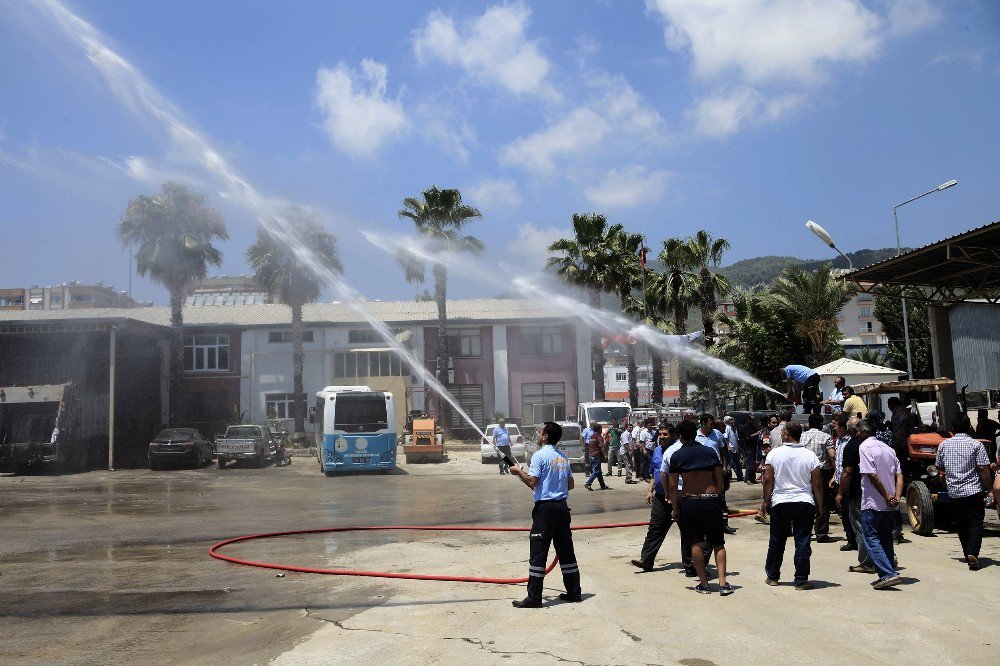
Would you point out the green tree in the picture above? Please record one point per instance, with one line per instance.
(758, 338)
(870, 355)
(706, 254)
(588, 260)
(440, 216)
(295, 276)
(889, 311)
(172, 233)
(681, 292)
(810, 302)
(658, 310)
(625, 279)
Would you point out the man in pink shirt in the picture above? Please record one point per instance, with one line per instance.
(881, 488)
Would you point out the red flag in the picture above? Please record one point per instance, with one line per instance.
(642, 253)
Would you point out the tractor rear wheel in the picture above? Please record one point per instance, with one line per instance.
(920, 507)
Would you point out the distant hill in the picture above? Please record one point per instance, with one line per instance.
(764, 270)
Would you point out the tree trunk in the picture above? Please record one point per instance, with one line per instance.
(708, 306)
(596, 350)
(680, 323)
(633, 383)
(298, 391)
(174, 416)
(440, 297)
(656, 391)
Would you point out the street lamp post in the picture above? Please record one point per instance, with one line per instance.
(827, 239)
(899, 251)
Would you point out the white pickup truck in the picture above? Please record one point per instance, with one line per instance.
(244, 442)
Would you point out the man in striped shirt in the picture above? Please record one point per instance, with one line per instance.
(963, 463)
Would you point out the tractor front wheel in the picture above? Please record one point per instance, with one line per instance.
(920, 507)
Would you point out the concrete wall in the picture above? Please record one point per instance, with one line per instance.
(531, 369)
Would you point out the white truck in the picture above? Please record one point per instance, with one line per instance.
(245, 442)
(605, 413)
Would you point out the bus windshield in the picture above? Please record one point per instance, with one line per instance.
(607, 414)
(361, 413)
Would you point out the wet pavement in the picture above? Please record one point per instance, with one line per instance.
(114, 565)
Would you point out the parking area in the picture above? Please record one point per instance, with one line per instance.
(113, 566)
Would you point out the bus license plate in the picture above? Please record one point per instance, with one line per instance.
(362, 460)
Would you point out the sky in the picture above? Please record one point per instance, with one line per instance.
(668, 116)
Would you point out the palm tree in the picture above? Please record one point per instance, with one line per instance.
(173, 233)
(810, 302)
(281, 270)
(587, 260)
(871, 355)
(681, 293)
(658, 308)
(439, 217)
(624, 278)
(706, 253)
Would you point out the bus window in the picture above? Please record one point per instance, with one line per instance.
(361, 413)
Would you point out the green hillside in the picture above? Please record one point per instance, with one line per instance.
(764, 270)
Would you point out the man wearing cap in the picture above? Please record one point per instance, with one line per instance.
(807, 381)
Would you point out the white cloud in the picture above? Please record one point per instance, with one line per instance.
(492, 49)
(972, 57)
(725, 113)
(770, 40)
(616, 113)
(358, 117)
(580, 130)
(628, 187)
(909, 16)
(444, 131)
(494, 193)
(529, 247)
(762, 57)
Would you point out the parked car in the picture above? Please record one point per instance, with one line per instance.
(255, 443)
(569, 444)
(179, 445)
(516, 444)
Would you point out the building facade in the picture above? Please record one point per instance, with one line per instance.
(68, 296)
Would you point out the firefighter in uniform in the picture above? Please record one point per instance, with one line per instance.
(551, 478)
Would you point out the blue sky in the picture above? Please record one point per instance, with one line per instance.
(742, 118)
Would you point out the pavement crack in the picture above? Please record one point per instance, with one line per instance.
(465, 639)
(632, 636)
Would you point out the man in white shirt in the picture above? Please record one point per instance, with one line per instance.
(646, 441)
(836, 399)
(625, 453)
(792, 493)
(733, 442)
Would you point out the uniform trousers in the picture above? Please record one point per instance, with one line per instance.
(550, 525)
(660, 520)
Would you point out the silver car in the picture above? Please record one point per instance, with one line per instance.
(568, 444)
(516, 444)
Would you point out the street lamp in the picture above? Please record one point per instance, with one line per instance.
(899, 251)
(827, 239)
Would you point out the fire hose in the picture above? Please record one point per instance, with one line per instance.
(214, 550)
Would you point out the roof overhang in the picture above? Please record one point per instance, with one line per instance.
(904, 386)
(960, 268)
(13, 327)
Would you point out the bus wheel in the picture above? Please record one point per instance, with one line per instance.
(328, 473)
(920, 508)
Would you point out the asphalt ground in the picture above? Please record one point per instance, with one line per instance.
(113, 567)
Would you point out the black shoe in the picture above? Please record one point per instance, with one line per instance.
(824, 539)
(572, 598)
(526, 603)
(690, 572)
(848, 546)
(729, 530)
(606, 488)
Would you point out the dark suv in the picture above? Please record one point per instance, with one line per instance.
(179, 445)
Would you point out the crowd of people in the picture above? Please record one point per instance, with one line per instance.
(852, 464)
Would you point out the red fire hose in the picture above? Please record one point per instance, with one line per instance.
(214, 550)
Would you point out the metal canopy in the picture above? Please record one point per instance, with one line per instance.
(904, 386)
(960, 268)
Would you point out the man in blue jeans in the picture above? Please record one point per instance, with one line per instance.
(595, 451)
(881, 488)
(793, 491)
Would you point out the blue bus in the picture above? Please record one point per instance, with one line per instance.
(355, 429)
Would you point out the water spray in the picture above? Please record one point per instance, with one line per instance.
(540, 289)
(141, 96)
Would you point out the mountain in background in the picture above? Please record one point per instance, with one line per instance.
(764, 270)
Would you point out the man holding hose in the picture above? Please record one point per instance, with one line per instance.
(551, 478)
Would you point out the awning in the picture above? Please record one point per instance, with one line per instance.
(956, 269)
(904, 386)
